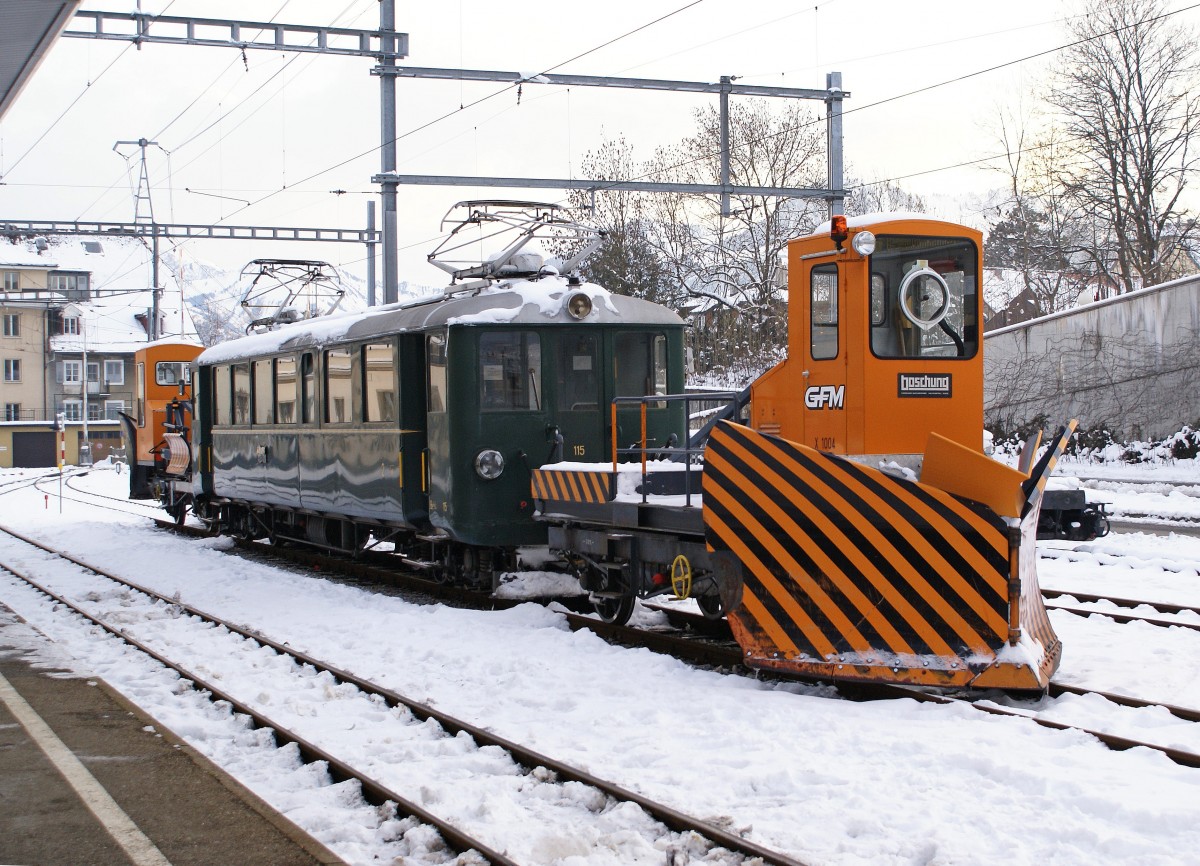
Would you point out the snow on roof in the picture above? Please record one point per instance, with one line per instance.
(868, 219)
(12, 256)
(540, 301)
(121, 276)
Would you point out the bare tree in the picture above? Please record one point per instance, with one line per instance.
(628, 262)
(1037, 230)
(1127, 97)
(725, 263)
(881, 196)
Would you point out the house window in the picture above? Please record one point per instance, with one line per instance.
(12, 369)
(12, 411)
(72, 372)
(12, 281)
(113, 409)
(12, 324)
(114, 372)
(72, 410)
(95, 411)
(93, 371)
(70, 325)
(74, 286)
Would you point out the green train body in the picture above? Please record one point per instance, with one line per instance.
(420, 425)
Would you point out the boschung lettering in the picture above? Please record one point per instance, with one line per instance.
(924, 384)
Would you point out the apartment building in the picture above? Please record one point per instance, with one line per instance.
(73, 311)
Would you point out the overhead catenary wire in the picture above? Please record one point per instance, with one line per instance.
(296, 185)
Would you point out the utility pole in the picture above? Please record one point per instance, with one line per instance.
(143, 195)
(387, 71)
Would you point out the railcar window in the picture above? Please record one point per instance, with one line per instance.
(308, 377)
(172, 373)
(379, 360)
(140, 385)
(339, 378)
(878, 299)
(931, 297)
(578, 372)
(264, 393)
(823, 310)
(285, 390)
(241, 393)
(510, 371)
(641, 364)
(436, 356)
(221, 401)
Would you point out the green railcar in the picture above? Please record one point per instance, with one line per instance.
(420, 425)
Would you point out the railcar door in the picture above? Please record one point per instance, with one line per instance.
(639, 364)
(825, 378)
(580, 396)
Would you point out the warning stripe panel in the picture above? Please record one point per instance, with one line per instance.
(852, 557)
(572, 486)
(851, 537)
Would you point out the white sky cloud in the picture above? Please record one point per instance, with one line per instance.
(257, 129)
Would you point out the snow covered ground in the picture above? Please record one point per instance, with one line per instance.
(823, 779)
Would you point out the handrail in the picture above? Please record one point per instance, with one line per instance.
(693, 446)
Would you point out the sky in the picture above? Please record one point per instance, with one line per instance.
(828, 781)
(255, 140)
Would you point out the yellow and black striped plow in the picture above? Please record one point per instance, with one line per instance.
(850, 573)
(569, 485)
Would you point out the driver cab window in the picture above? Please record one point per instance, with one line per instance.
(823, 310)
(510, 371)
(578, 372)
(925, 302)
(641, 364)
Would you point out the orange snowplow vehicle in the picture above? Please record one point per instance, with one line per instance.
(849, 524)
(157, 433)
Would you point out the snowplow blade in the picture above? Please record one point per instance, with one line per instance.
(850, 573)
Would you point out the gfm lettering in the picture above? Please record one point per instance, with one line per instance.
(824, 396)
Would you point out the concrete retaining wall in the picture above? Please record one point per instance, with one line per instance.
(1129, 363)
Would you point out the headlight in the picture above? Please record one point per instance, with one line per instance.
(863, 243)
(579, 305)
(489, 463)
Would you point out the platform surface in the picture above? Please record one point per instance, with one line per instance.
(169, 804)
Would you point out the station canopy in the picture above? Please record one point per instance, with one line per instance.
(27, 30)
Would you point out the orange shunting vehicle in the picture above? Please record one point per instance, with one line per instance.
(157, 433)
(866, 534)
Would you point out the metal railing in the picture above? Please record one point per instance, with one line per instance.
(688, 452)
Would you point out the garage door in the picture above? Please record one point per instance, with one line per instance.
(34, 449)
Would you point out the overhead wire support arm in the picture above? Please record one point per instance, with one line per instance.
(559, 80)
(604, 185)
(143, 28)
(176, 230)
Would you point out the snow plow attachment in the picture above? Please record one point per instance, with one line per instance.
(847, 572)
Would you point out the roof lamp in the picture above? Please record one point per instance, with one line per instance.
(864, 243)
(579, 305)
(838, 231)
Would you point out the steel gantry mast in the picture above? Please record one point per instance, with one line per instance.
(388, 46)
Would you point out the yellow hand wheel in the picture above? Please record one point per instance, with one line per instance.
(681, 577)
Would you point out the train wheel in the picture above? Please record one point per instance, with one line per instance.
(177, 512)
(710, 606)
(211, 518)
(615, 610)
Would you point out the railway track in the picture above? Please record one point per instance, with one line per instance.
(711, 651)
(538, 767)
(717, 651)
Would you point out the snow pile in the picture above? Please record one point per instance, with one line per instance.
(822, 779)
